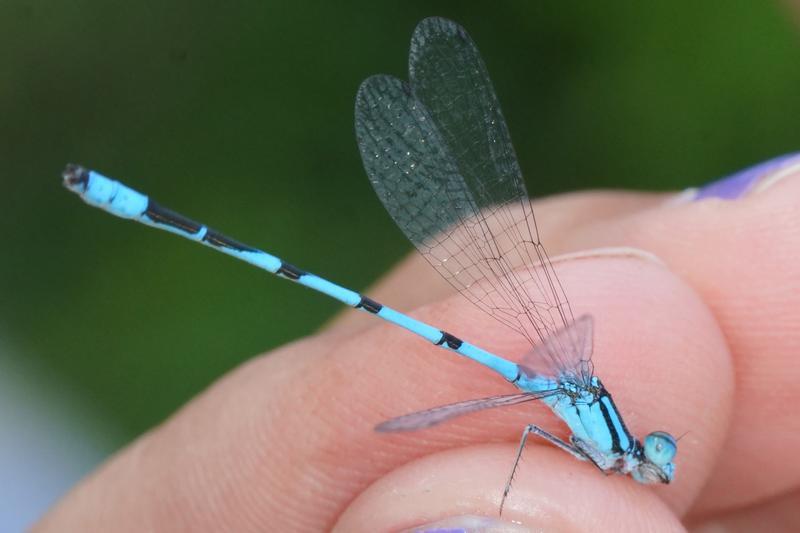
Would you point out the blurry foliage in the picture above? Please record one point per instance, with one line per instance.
(240, 114)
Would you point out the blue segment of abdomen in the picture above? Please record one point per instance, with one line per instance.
(333, 290)
(114, 197)
(122, 201)
(422, 329)
(505, 368)
(536, 384)
(257, 258)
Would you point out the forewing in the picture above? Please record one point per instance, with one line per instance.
(439, 155)
(407, 161)
(449, 77)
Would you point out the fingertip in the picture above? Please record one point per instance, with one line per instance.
(551, 492)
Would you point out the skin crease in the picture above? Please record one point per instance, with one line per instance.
(703, 343)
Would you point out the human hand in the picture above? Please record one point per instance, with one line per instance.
(701, 339)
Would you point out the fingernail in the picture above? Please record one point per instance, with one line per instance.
(611, 252)
(469, 524)
(752, 179)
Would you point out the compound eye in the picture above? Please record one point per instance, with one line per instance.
(660, 448)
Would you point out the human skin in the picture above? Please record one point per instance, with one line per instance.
(696, 306)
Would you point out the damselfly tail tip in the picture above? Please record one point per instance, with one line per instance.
(75, 175)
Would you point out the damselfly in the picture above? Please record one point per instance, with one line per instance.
(439, 156)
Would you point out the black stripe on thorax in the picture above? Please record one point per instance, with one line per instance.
(628, 435)
(614, 435)
(609, 424)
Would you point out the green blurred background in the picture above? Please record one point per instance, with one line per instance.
(241, 114)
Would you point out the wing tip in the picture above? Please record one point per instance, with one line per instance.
(437, 25)
(377, 83)
(395, 425)
(383, 427)
(432, 28)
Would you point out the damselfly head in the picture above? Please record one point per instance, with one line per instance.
(656, 466)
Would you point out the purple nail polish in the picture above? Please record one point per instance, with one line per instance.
(469, 524)
(740, 183)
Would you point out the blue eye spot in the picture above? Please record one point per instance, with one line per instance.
(660, 448)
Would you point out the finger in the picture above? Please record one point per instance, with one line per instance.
(434, 488)
(287, 441)
(777, 514)
(741, 257)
